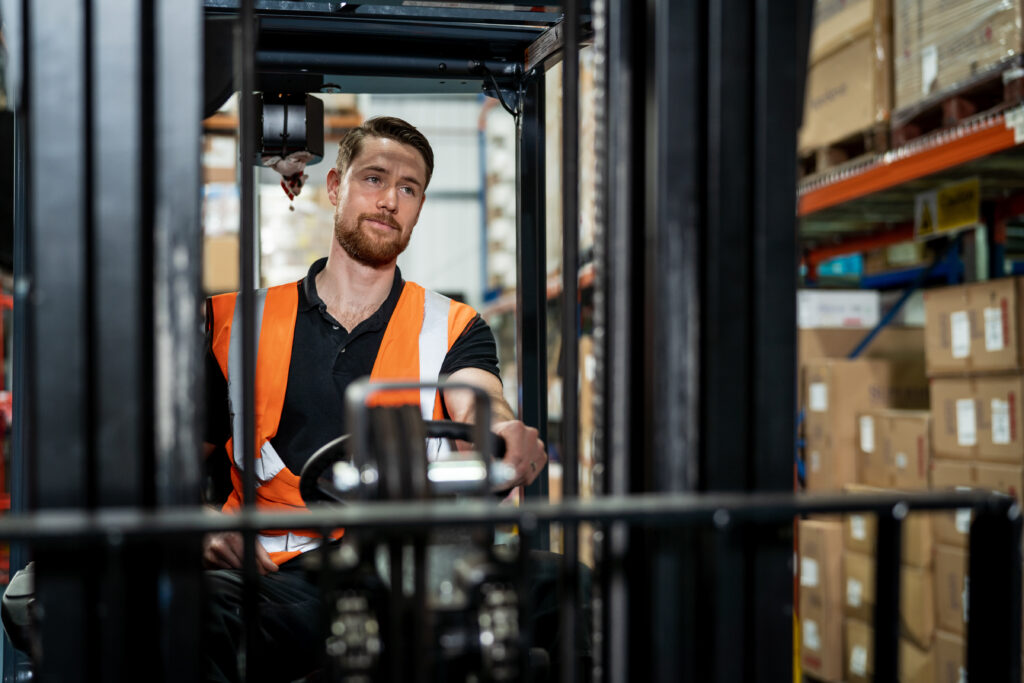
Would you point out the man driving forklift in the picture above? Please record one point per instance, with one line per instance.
(352, 316)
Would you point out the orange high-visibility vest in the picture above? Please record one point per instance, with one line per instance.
(422, 329)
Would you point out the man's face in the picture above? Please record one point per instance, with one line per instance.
(378, 200)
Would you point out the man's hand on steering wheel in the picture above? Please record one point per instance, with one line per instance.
(524, 451)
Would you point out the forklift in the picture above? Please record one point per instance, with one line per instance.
(697, 106)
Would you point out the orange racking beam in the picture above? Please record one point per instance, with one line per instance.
(895, 169)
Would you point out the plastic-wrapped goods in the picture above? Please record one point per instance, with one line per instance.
(849, 81)
(943, 46)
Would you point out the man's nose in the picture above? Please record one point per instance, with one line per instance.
(388, 199)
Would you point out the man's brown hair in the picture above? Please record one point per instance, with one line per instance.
(388, 127)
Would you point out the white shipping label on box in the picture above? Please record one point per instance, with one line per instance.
(867, 434)
(859, 660)
(993, 329)
(901, 461)
(963, 675)
(817, 396)
(960, 334)
(808, 572)
(815, 461)
(966, 424)
(858, 528)
(854, 592)
(963, 520)
(1000, 421)
(929, 67)
(812, 639)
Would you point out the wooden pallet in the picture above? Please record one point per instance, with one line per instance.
(866, 142)
(995, 90)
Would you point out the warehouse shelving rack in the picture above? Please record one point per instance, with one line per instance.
(868, 203)
(695, 330)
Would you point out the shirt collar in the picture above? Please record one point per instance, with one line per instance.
(309, 298)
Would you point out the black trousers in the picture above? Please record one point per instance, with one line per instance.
(290, 621)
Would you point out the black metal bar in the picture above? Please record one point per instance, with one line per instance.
(777, 67)
(245, 65)
(49, 527)
(391, 11)
(674, 172)
(673, 226)
(406, 66)
(622, 368)
(58, 432)
(994, 605)
(117, 258)
(399, 30)
(569, 451)
(172, 43)
(178, 55)
(531, 271)
(887, 594)
(727, 294)
(19, 465)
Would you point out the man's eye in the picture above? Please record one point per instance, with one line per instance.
(372, 179)
(408, 191)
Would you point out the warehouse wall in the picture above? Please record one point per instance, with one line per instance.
(446, 249)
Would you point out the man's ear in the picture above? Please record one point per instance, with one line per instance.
(333, 183)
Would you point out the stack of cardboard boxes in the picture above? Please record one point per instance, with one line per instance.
(888, 385)
(943, 44)
(975, 360)
(849, 82)
(917, 615)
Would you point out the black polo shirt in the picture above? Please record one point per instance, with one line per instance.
(326, 358)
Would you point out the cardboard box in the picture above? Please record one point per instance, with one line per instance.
(917, 605)
(860, 657)
(916, 665)
(941, 44)
(859, 582)
(952, 528)
(847, 92)
(837, 22)
(950, 658)
(857, 308)
(974, 328)
(951, 589)
(859, 532)
(978, 418)
(821, 613)
(904, 344)
(220, 263)
(895, 449)
(835, 392)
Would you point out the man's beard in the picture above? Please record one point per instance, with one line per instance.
(370, 246)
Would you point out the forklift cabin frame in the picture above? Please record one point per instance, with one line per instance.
(698, 104)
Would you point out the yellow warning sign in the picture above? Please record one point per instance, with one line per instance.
(947, 209)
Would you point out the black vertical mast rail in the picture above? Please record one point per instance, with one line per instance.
(622, 369)
(531, 293)
(247, 325)
(568, 612)
(56, 362)
(172, 33)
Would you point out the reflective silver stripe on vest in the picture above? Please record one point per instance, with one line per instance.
(269, 463)
(287, 543)
(433, 349)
